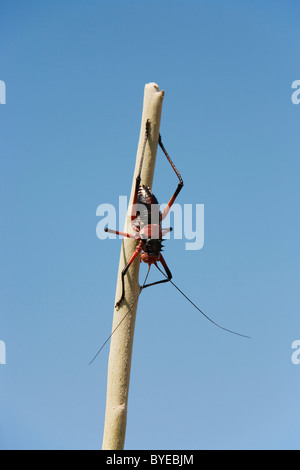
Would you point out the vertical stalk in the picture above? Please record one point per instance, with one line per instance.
(122, 340)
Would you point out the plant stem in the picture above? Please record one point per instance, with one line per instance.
(122, 340)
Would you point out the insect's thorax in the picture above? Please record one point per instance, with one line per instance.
(147, 207)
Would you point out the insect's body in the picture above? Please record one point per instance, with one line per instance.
(146, 221)
(150, 233)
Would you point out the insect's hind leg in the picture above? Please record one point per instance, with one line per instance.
(180, 184)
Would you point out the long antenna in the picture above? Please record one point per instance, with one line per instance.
(127, 313)
(206, 316)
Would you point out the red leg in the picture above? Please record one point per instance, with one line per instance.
(122, 234)
(124, 271)
(180, 184)
(166, 230)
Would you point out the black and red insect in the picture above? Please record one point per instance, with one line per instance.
(150, 234)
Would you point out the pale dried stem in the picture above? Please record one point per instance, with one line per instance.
(122, 340)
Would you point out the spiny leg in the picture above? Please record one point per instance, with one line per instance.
(180, 184)
(138, 178)
(122, 234)
(124, 271)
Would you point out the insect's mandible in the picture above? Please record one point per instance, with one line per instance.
(150, 235)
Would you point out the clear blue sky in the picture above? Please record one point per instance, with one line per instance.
(75, 73)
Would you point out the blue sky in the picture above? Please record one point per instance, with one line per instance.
(75, 74)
